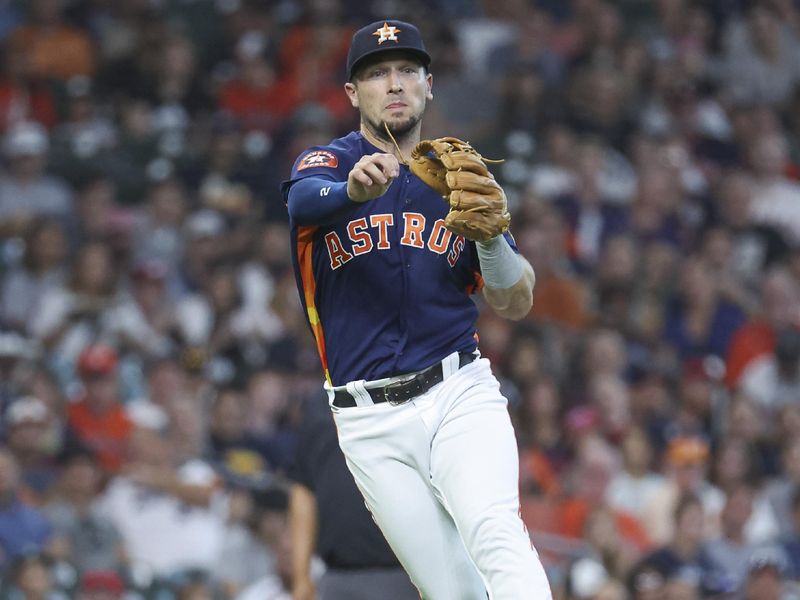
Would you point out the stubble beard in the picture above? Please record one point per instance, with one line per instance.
(398, 130)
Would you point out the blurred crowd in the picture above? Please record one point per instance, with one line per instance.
(154, 360)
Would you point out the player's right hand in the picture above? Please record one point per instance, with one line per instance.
(371, 176)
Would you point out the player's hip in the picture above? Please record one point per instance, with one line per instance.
(463, 388)
(402, 389)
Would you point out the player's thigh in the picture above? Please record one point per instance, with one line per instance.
(475, 470)
(421, 533)
(387, 451)
(474, 457)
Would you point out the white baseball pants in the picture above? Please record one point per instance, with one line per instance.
(440, 476)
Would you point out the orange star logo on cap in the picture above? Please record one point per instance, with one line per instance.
(387, 32)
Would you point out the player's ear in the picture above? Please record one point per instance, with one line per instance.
(429, 86)
(352, 94)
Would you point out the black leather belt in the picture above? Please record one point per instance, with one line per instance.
(403, 391)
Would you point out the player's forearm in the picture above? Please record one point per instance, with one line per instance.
(303, 526)
(514, 302)
(317, 201)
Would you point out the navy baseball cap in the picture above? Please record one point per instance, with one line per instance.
(381, 36)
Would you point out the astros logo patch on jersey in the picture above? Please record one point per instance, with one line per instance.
(318, 158)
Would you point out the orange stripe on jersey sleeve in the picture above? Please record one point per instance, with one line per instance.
(305, 259)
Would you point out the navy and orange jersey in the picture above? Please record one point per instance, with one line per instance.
(386, 287)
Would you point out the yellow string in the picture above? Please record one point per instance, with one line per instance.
(405, 162)
(396, 145)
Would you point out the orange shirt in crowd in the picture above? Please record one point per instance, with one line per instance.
(574, 512)
(106, 434)
(263, 108)
(312, 59)
(537, 472)
(567, 517)
(325, 45)
(561, 300)
(58, 52)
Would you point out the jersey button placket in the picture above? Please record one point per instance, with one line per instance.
(404, 261)
(407, 202)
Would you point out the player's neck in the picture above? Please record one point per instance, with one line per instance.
(405, 143)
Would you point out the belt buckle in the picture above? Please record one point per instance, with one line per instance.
(392, 390)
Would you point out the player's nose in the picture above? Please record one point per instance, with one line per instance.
(395, 81)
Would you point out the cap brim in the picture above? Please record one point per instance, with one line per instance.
(424, 57)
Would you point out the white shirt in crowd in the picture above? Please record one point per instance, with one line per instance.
(162, 533)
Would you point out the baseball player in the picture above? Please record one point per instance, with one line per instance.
(385, 282)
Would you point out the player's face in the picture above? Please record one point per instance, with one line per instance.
(393, 90)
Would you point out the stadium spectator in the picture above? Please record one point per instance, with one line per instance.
(761, 51)
(31, 576)
(276, 585)
(23, 95)
(56, 49)
(766, 576)
(682, 555)
(737, 464)
(776, 193)
(71, 316)
(559, 297)
(26, 191)
(170, 516)
(84, 134)
(754, 246)
(82, 536)
(686, 467)
(791, 540)
(97, 418)
(23, 529)
(258, 97)
(243, 458)
(43, 267)
(17, 354)
(781, 489)
(33, 435)
(700, 323)
(730, 553)
(635, 485)
(590, 476)
(272, 412)
(100, 585)
(591, 216)
(174, 85)
(143, 321)
(542, 447)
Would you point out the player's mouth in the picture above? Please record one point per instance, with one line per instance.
(396, 105)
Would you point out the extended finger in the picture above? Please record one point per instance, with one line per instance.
(374, 171)
(466, 200)
(467, 180)
(361, 177)
(387, 163)
(466, 161)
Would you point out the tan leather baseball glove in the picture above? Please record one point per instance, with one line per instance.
(459, 173)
